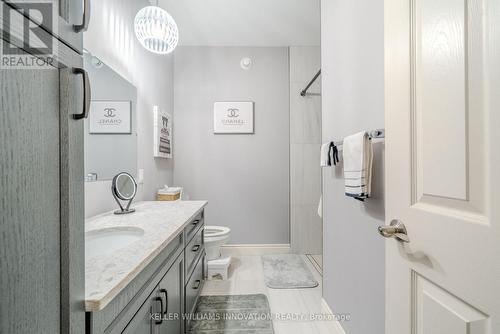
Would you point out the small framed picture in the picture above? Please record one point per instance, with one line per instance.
(234, 117)
(162, 134)
(110, 117)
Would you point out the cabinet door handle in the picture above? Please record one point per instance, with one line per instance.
(165, 292)
(196, 248)
(85, 18)
(197, 284)
(195, 222)
(87, 94)
(158, 299)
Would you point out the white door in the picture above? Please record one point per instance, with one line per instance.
(443, 166)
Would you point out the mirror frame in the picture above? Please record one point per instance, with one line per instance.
(119, 196)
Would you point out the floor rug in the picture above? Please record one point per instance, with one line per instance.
(237, 314)
(287, 271)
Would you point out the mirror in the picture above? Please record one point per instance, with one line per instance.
(124, 188)
(111, 129)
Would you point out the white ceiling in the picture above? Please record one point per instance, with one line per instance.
(246, 23)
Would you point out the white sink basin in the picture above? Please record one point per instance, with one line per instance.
(107, 240)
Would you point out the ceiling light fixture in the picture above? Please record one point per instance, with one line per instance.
(156, 30)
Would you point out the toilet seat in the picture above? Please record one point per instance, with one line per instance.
(216, 231)
(215, 237)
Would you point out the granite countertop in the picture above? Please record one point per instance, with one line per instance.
(107, 274)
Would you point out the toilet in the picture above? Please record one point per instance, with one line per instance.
(215, 237)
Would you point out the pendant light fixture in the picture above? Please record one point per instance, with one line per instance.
(156, 30)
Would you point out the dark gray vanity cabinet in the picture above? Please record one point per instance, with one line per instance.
(170, 290)
(42, 204)
(194, 286)
(142, 323)
(161, 311)
(195, 265)
(158, 298)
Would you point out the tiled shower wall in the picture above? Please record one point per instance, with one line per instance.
(305, 140)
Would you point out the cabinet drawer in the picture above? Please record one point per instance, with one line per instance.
(194, 285)
(193, 227)
(193, 249)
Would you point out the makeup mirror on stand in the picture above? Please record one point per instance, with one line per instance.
(124, 188)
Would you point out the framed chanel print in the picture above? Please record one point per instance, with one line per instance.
(234, 117)
(110, 117)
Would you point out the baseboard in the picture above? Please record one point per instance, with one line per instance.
(326, 309)
(255, 249)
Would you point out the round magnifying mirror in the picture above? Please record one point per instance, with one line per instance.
(124, 188)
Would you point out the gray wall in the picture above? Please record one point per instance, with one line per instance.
(306, 229)
(111, 37)
(353, 99)
(245, 178)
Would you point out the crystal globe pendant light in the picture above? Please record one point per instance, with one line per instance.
(156, 30)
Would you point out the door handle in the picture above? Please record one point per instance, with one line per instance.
(87, 93)
(396, 230)
(85, 18)
(159, 321)
(195, 248)
(197, 284)
(165, 293)
(195, 222)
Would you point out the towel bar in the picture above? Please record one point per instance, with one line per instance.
(374, 134)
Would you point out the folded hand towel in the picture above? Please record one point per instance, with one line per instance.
(358, 158)
(325, 148)
(329, 154)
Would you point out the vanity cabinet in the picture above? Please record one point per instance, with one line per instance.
(195, 266)
(157, 300)
(41, 167)
(194, 285)
(194, 248)
(170, 291)
(160, 312)
(141, 323)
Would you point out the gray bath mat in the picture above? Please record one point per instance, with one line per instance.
(237, 314)
(287, 271)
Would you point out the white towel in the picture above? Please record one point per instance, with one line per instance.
(325, 151)
(358, 159)
(320, 207)
(329, 155)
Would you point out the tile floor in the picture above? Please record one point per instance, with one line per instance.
(246, 277)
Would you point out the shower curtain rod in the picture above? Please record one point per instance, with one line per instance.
(304, 91)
